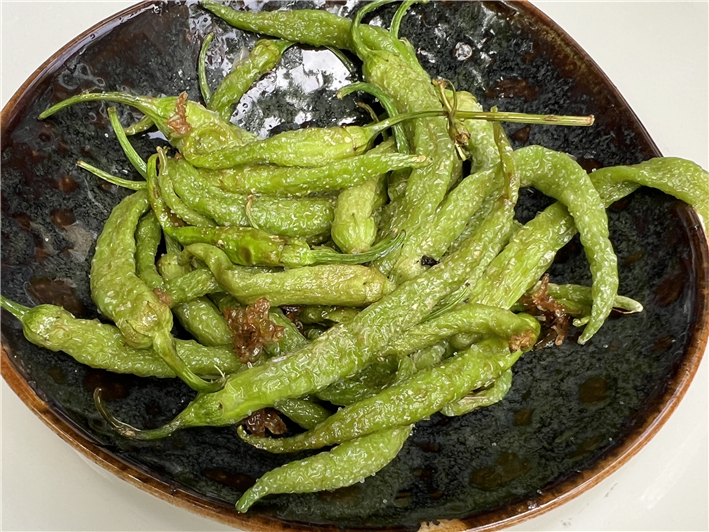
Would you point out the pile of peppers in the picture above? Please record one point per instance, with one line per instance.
(324, 268)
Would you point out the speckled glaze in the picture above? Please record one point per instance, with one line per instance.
(574, 414)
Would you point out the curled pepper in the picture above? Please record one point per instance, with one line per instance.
(557, 175)
(122, 296)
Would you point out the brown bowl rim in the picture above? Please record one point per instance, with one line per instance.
(495, 519)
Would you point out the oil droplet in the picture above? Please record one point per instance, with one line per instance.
(462, 51)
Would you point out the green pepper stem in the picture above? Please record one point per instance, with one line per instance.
(119, 181)
(402, 143)
(343, 59)
(518, 118)
(126, 430)
(355, 33)
(17, 310)
(132, 155)
(383, 248)
(399, 15)
(202, 69)
(144, 104)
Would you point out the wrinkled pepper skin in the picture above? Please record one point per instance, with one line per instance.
(480, 399)
(305, 413)
(247, 246)
(308, 26)
(677, 177)
(291, 217)
(450, 219)
(471, 319)
(354, 229)
(117, 291)
(102, 346)
(329, 284)
(200, 317)
(346, 173)
(264, 57)
(344, 465)
(122, 296)
(560, 177)
(207, 147)
(417, 398)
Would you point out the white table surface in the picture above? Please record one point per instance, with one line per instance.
(655, 52)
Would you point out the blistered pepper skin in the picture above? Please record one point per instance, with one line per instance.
(557, 175)
(344, 465)
(415, 399)
(329, 284)
(264, 56)
(121, 295)
(350, 172)
(677, 177)
(292, 217)
(100, 345)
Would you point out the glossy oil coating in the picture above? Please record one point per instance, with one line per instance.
(638, 206)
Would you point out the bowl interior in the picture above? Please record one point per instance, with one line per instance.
(571, 410)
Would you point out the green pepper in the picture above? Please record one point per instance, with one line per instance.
(344, 465)
(328, 284)
(262, 58)
(414, 399)
(100, 345)
(123, 297)
(175, 117)
(557, 175)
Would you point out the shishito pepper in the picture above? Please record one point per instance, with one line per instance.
(248, 246)
(100, 345)
(122, 296)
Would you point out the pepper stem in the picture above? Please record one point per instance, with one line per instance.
(399, 15)
(383, 248)
(360, 48)
(144, 104)
(518, 118)
(202, 69)
(118, 181)
(126, 430)
(132, 155)
(17, 310)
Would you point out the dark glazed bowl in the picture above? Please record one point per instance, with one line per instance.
(574, 415)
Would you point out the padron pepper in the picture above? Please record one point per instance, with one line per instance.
(100, 345)
(175, 116)
(264, 56)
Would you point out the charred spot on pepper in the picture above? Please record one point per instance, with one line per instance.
(178, 122)
(428, 261)
(265, 419)
(251, 329)
(163, 296)
(554, 317)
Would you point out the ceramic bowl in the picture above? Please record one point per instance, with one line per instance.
(575, 413)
